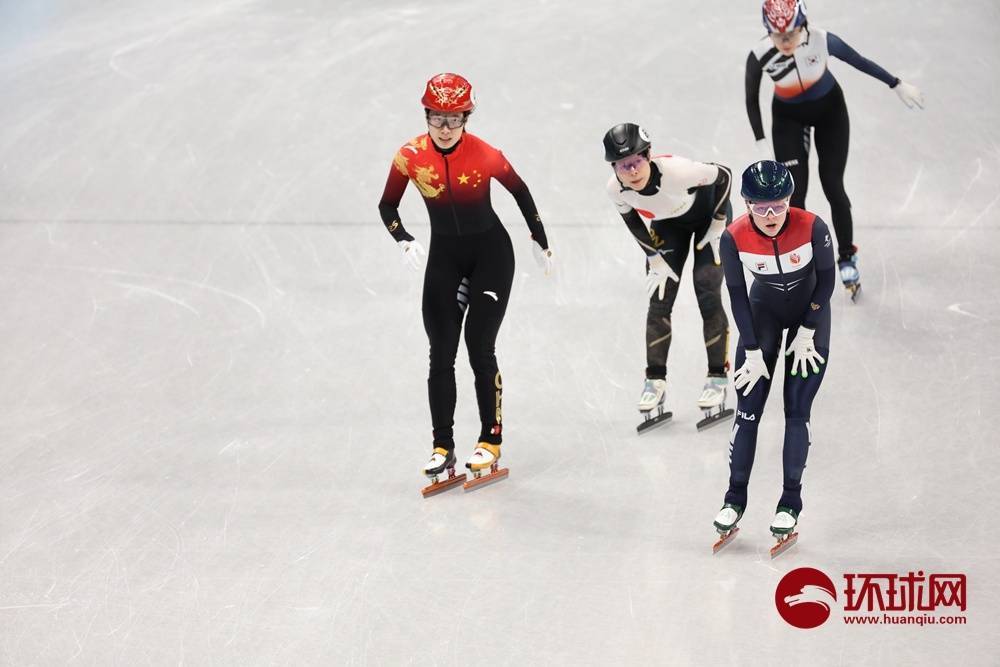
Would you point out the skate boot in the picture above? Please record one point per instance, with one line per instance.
(485, 460)
(654, 395)
(713, 401)
(725, 523)
(441, 460)
(785, 520)
(849, 274)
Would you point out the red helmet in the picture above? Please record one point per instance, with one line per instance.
(449, 92)
(782, 16)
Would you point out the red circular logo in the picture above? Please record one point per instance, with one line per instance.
(805, 597)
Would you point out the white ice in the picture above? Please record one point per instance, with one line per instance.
(213, 365)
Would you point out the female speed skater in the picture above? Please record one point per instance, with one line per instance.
(683, 200)
(789, 253)
(470, 265)
(807, 97)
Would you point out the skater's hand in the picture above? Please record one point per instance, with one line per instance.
(413, 254)
(752, 370)
(712, 237)
(543, 257)
(764, 151)
(658, 275)
(910, 94)
(803, 352)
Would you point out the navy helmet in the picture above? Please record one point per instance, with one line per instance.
(767, 180)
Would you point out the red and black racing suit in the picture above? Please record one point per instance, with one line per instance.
(470, 256)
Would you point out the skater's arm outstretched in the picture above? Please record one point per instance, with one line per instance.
(908, 93)
(840, 49)
(822, 248)
(737, 286)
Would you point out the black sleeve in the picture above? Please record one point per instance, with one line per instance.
(526, 203)
(640, 232)
(723, 186)
(388, 206)
(754, 74)
(826, 273)
(737, 285)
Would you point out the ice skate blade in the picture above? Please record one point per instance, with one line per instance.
(709, 422)
(652, 422)
(440, 486)
(855, 291)
(477, 482)
(784, 544)
(725, 540)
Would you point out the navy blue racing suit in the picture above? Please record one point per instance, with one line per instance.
(793, 279)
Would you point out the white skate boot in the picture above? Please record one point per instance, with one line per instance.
(441, 460)
(485, 458)
(725, 524)
(713, 401)
(850, 275)
(785, 520)
(654, 395)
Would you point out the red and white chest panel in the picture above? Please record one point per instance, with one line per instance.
(788, 255)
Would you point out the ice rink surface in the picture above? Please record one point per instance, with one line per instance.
(214, 402)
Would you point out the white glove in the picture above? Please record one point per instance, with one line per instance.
(543, 258)
(803, 351)
(658, 275)
(764, 150)
(752, 370)
(712, 236)
(413, 254)
(910, 94)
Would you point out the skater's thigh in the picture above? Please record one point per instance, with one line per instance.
(833, 135)
(821, 338)
(769, 332)
(707, 274)
(440, 307)
(800, 391)
(489, 290)
(791, 139)
(673, 243)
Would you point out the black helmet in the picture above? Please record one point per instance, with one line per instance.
(767, 180)
(623, 140)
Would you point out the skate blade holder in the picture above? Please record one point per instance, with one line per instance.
(785, 542)
(438, 486)
(649, 422)
(478, 480)
(725, 539)
(711, 419)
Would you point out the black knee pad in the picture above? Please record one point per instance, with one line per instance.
(708, 281)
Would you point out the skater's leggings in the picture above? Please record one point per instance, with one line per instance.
(677, 240)
(827, 117)
(799, 393)
(467, 276)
